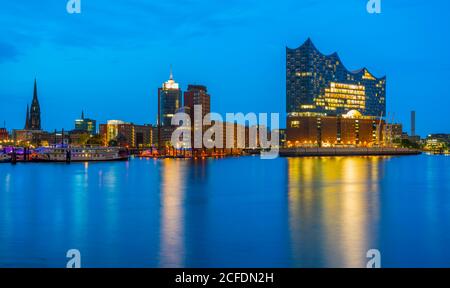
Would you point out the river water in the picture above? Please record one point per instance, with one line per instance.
(232, 212)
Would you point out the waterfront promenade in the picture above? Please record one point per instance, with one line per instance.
(351, 151)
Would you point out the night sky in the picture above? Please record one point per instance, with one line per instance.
(110, 59)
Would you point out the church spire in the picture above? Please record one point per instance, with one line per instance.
(35, 111)
(35, 89)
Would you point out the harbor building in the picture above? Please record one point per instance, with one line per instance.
(328, 105)
(4, 135)
(351, 129)
(321, 84)
(124, 134)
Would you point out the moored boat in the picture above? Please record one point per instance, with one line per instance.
(5, 158)
(75, 154)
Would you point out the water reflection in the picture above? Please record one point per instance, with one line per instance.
(233, 212)
(172, 197)
(331, 220)
(79, 212)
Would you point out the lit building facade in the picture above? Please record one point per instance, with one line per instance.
(328, 105)
(437, 142)
(351, 129)
(4, 135)
(169, 101)
(392, 133)
(126, 134)
(86, 125)
(320, 84)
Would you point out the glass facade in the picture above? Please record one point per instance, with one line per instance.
(320, 84)
(86, 125)
(169, 101)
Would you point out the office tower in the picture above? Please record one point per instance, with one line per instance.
(197, 95)
(169, 101)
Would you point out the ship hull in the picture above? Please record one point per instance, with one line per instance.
(5, 159)
(69, 155)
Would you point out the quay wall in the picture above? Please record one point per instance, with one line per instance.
(353, 151)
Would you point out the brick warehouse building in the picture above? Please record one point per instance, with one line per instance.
(333, 131)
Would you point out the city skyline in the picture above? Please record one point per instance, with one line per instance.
(92, 69)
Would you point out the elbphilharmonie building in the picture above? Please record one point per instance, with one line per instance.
(318, 84)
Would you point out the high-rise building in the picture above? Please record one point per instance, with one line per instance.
(86, 125)
(318, 84)
(197, 95)
(169, 101)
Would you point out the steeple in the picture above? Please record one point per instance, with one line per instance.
(35, 90)
(35, 112)
(27, 120)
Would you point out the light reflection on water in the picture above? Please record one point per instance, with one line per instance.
(333, 198)
(234, 212)
(172, 232)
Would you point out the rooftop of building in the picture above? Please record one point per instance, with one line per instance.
(362, 71)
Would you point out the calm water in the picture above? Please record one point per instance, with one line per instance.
(236, 212)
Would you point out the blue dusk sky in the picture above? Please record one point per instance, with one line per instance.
(110, 59)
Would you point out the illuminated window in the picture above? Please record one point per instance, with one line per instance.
(368, 76)
(340, 95)
(295, 124)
